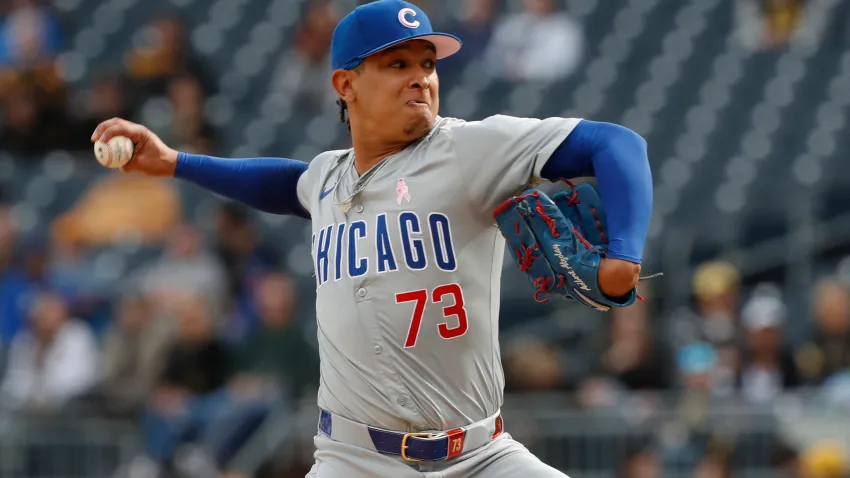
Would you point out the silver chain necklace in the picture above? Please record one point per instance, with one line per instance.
(345, 204)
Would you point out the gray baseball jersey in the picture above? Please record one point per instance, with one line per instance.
(408, 263)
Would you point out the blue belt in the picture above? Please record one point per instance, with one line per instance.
(412, 446)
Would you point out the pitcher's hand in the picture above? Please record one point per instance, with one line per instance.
(617, 277)
(150, 155)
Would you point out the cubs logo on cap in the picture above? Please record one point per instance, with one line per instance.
(379, 25)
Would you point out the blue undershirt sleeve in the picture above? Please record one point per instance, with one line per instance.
(267, 184)
(618, 158)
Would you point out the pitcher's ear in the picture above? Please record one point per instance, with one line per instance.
(342, 83)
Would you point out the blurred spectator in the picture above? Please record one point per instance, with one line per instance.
(781, 20)
(715, 320)
(686, 438)
(824, 459)
(29, 35)
(642, 463)
(304, 72)
(189, 130)
(313, 38)
(245, 260)
(829, 349)
(185, 398)
(52, 362)
(163, 66)
(239, 248)
(786, 460)
(21, 131)
(629, 359)
(768, 24)
(192, 403)
(697, 364)
(32, 93)
(716, 287)
(197, 363)
(276, 358)
(121, 207)
(132, 358)
(7, 236)
(22, 281)
(35, 252)
(30, 124)
(13, 282)
(631, 355)
(768, 367)
(835, 389)
(539, 44)
(106, 98)
(182, 124)
(713, 465)
(74, 275)
(185, 268)
(163, 54)
(474, 26)
(531, 364)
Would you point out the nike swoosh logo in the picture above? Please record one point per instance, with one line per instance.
(325, 193)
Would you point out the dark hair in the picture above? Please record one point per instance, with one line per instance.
(343, 106)
(343, 117)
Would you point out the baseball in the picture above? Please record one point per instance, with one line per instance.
(115, 153)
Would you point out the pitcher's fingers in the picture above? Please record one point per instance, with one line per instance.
(103, 126)
(130, 166)
(123, 128)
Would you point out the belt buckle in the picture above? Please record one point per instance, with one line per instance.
(404, 444)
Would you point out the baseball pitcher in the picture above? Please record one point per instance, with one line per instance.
(409, 232)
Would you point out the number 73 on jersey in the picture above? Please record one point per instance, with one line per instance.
(449, 329)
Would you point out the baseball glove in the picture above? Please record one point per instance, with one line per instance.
(560, 242)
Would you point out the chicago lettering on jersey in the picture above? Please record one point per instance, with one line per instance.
(347, 249)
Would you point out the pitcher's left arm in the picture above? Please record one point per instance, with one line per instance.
(617, 157)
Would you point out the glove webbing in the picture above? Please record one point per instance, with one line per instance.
(573, 200)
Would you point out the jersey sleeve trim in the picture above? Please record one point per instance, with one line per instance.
(546, 151)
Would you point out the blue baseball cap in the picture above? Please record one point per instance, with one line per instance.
(379, 25)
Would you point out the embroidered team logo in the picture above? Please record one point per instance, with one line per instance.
(402, 191)
(402, 18)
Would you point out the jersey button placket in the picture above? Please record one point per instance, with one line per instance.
(358, 208)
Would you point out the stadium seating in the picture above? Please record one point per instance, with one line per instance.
(745, 145)
(737, 137)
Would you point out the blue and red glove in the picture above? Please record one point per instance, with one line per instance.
(560, 242)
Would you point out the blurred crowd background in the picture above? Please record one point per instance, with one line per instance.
(148, 328)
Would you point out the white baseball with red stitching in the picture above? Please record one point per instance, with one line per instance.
(115, 153)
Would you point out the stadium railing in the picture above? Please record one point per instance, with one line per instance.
(579, 441)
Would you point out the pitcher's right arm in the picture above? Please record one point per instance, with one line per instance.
(266, 184)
